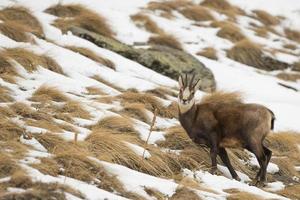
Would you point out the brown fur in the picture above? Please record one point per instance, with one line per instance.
(223, 120)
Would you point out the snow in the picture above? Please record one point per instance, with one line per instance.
(91, 192)
(225, 171)
(272, 168)
(138, 150)
(34, 143)
(132, 180)
(275, 186)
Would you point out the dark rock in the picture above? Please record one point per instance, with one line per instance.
(165, 60)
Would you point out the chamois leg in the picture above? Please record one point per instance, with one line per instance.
(225, 159)
(213, 157)
(268, 154)
(261, 158)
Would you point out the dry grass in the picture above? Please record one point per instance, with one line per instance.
(208, 52)
(17, 21)
(75, 109)
(185, 193)
(95, 91)
(166, 40)
(136, 110)
(288, 76)
(167, 7)
(197, 13)
(223, 7)
(292, 34)
(151, 103)
(290, 46)
(162, 92)
(116, 124)
(231, 32)
(45, 124)
(9, 130)
(30, 60)
(251, 54)
(155, 193)
(237, 195)
(110, 147)
(7, 165)
(222, 97)
(266, 18)
(291, 191)
(92, 55)
(176, 138)
(146, 22)
(101, 80)
(7, 70)
(5, 94)
(296, 66)
(77, 15)
(46, 93)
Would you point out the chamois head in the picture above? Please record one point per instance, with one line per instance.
(187, 91)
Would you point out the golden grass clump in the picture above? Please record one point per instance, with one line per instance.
(26, 111)
(30, 60)
(167, 7)
(75, 109)
(292, 34)
(208, 52)
(93, 56)
(296, 66)
(7, 70)
(266, 18)
(7, 165)
(197, 13)
(111, 148)
(19, 179)
(151, 103)
(166, 40)
(116, 124)
(291, 191)
(137, 111)
(92, 90)
(78, 15)
(237, 195)
(223, 6)
(146, 22)
(252, 54)
(185, 193)
(17, 21)
(9, 130)
(176, 139)
(290, 46)
(162, 92)
(289, 76)
(231, 32)
(5, 94)
(46, 93)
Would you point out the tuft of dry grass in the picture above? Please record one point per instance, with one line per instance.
(296, 66)
(48, 166)
(9, 129)
(185, 193)
(266, 18)
(151, 103)
(75, 109)
(223, 7)
(166, 40)
(290, 46)
(291, 191)
(176, 139)
(231, 32)
(78, 15)
(162, 92)
(19, 179)
(93, 56)
(167, 7)
(154, 193)
(288, 76)
(292, 34)
(136, 110)
(7, 165)
(102, 80)
(197, 13)
(237, 195)
(95, 91)
(208, 52)
(30, 60)
(7, 70)
(5, 94)
(116, 124)
(252, 54)
(146, 22)
(17, 21)
(46, 93)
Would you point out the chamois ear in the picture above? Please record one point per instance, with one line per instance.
(180, 81)
(197, 85)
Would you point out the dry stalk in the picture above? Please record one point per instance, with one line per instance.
(150, 131)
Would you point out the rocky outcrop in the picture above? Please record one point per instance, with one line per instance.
(165, 60)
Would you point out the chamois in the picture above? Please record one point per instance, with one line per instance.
(225, 124)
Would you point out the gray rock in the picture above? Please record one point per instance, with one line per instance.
(165, 60)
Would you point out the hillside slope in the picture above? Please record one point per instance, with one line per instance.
(75, 117)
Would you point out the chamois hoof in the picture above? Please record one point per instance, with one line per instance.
(258, 183)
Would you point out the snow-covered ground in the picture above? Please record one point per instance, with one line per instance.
(257, 86)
